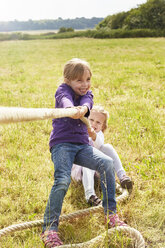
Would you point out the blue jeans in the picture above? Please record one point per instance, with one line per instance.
(63, 156)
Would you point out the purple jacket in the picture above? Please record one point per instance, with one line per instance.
(67, 129)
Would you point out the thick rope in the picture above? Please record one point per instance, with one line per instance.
(14, 114)
(10, 114)
(67, 217)
(133, 233)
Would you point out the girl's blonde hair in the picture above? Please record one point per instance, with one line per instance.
(75, 68)
(100, 109)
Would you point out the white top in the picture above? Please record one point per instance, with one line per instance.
(99, 140)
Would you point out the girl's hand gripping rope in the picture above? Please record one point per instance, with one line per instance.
(92, 133)
(81, 111)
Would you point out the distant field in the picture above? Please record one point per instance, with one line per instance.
(32, 31)
(129, 80)
(36, 31)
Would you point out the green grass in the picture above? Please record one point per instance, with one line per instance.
(129, 80)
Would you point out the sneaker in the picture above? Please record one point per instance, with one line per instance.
(126, 182)
(113, 221)
(51, 239)
(94, 200)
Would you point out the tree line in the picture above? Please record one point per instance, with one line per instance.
(150, 15)
(77, 23)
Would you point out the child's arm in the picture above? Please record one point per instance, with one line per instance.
(86, 104)
(64, 99)
(87, 100)
(98, 138)
(92, 133)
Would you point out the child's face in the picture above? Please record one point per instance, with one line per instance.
(81, 85)
(96, 120)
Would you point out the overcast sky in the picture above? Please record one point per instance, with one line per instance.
(53, 9)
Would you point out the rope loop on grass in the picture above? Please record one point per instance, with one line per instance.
(67, 217)
(133, 233)
(10, 115)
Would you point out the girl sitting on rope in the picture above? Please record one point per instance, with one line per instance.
(98, 119)
(69, 143)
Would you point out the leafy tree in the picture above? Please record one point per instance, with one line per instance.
(63, 30)
(134, 20)
(150, 15)
(105, 23)
(154, 14)
(114, 21)
(118, 19)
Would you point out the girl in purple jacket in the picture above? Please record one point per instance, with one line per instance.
(69, 144)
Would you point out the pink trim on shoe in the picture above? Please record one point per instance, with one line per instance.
(113, 221)
(51, 239)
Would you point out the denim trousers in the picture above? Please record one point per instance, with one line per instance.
(63, 156)
(88, 175)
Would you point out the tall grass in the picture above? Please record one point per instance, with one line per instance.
(128, 79)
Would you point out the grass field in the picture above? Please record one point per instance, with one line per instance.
(129, 80)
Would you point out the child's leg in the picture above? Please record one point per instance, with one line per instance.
(111, 152)
(125, 180)
(76, 172)
(88, 182)
(93, 159)
(63, 157)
